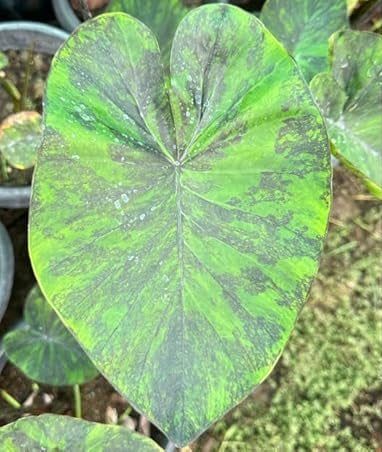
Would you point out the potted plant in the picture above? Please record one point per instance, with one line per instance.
(37, 39)
(178, 217)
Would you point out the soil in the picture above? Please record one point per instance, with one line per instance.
(28, 71)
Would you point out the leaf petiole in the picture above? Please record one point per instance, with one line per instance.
(77, 401)
(10, 399)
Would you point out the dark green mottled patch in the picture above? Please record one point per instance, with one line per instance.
(304, 27)
(350, 97)
(44, 349)
(51, 432)
(180, 239)
(20, 138)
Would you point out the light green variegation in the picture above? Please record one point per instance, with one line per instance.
(304, 27)
(350, 98)
(176, 229)
(44, 349)
(53, 433)
(20, 138)
(162, 17)
(3, 60)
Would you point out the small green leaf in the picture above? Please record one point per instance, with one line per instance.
(304, 27)
(20, 138)
(3, 60)
(350, 98)
(44, 349)
(162, 17)
(177, 229)
(51, 432)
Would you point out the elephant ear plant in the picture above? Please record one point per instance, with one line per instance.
(344, 70)
(350, 97)
(176, 223)
(20, 134)
(44, 350)
(51, 432)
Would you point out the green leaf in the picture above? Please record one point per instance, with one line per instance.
(162, 17)
(51, 432)
(176, 230)
(304, 27)
(3, 60)
(350, 98)
(20, 138)
(44, 349)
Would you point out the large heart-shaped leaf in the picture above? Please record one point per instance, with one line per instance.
(44, 349)
(162, 17)
(350, 98)
(304, 27)
(20, 137)
(51, 432)
(176, 230)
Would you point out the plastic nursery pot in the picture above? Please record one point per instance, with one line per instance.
(65, 14)
(20, 36)
(6, 269)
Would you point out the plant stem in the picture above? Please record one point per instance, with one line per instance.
(3, 170)
(13, 92)
(170, 447)
(77, 401)
(9, 399)
(27, 78)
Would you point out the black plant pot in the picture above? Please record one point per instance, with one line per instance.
(7, 266)
(20, 36)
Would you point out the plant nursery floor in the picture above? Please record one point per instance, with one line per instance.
(324, 394)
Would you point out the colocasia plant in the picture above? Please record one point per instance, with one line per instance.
(20, 134)
(181, 199)
(181, 237)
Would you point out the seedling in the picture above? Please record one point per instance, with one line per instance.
(176, 223)
(350, 95)
(8, 85)
(53, 432)
(20, 133)
(44, 350)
